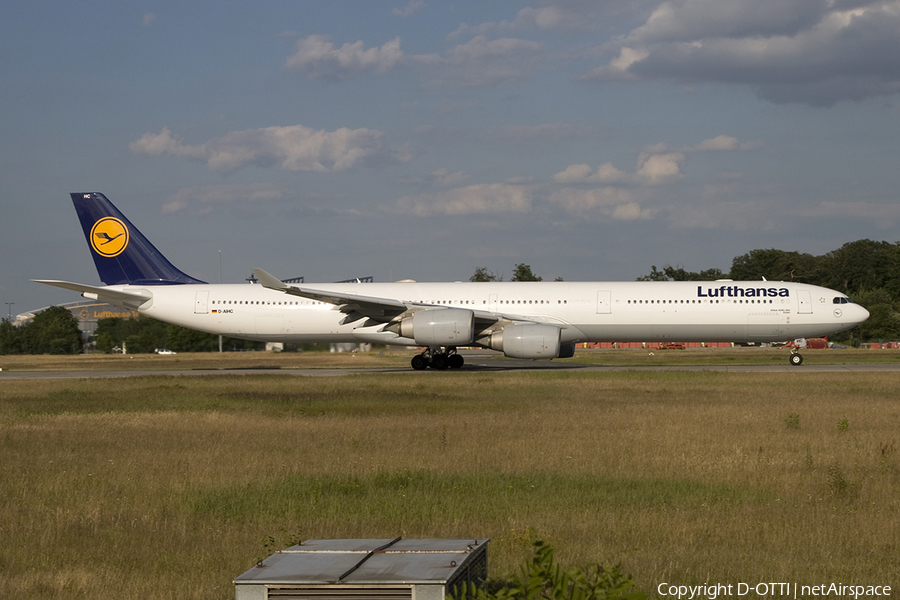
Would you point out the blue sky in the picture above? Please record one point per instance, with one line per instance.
(421, 139)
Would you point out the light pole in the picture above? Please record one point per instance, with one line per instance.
(9, 311)
(220, 281)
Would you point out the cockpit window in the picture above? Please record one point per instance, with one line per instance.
(842, 300)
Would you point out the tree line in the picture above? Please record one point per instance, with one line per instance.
(521, 272)
(51, 331)
(55, 331)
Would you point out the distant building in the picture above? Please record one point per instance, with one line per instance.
(86, 312)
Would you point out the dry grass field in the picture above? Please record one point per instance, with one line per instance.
(168, 487)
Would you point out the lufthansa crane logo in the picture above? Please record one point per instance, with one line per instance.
(109, 237)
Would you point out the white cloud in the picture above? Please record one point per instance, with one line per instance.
(482, 62)
(444, 178)
(721, 142)
(320, 59)
(682, 20)
(653, 168)
(656, 165)
(157, 144)
(618, 68)
(543, 131)
(211, 195)
(557, 17)
(658, 169)
(813, 51)
(610, 202)
(409, 10)
(473, 199)
(606, 173)
(510, 198)
(476, 63)
(291, 148)
(580, 173)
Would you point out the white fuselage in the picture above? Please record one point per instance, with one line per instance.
(601, 311)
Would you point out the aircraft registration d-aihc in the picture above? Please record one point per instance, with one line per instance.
(530, 320)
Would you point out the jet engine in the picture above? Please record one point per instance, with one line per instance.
(528, 340)
(438, 327)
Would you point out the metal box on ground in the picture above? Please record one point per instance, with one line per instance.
(381, 569)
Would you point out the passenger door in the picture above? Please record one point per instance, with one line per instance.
(604, 302)
(805, 302)
(201, 303)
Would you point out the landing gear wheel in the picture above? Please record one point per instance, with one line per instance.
(455, 361)
(419, 362)
(439, 361)
(796, 359)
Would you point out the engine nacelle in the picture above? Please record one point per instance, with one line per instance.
(527, 340)
(440, 327)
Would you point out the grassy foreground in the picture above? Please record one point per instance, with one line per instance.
(168, 487)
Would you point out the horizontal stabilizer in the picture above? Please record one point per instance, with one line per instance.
(130, 298)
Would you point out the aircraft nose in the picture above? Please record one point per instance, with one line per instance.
(858, 314)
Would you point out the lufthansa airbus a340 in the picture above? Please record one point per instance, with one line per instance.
(531, 320)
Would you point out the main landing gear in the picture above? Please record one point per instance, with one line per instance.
(795, 358)
(437, 358)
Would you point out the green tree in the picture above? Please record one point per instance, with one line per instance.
(654, 275)
(775, 265)
(523, 272)
(53, 331)
(139, 334)
(145, 335)
(482, 274)
(11, 338)
(670, 273)
(104, 343)
(861, 265)
(182, 339)
(883, 323)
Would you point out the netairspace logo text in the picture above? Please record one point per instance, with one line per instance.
(711, 591)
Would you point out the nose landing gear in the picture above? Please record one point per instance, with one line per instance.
(795, 358)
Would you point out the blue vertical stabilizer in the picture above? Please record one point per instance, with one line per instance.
(121, 253)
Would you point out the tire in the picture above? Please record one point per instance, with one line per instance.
(796, 360)
(439, 362)
(456, 361)
(419, 362)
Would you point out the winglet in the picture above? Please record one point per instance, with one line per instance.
(269, 281)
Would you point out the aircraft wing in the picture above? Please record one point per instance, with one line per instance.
(130, 298)
(380, 309)
(386, 309)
